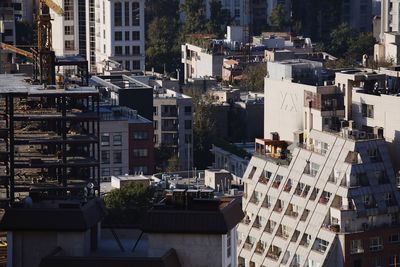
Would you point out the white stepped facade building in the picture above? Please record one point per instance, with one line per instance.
(302, 213)
(327, 195)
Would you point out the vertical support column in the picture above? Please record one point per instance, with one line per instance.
(11, 125)
(97, 99)
(64, 138)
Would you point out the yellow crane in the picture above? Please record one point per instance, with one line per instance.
(43, 57)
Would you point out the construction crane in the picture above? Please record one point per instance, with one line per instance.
(43, 56)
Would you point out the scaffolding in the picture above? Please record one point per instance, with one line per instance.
(49, 143)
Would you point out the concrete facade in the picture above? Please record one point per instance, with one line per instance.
(173, 125)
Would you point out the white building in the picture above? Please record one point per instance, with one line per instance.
(101, 31)
(173, 125)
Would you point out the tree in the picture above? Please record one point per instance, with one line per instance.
(195, 21)
(340, 39)
(219, 18)
(203, 130)
(131, 196)
(162, 45)
(278, 19)
(253, 77)
(173, 164)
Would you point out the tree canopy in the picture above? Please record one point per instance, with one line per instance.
(253, 77)
(278, 20)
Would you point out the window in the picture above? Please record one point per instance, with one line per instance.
(136, 64)
(140, 153)
(135, 50)
(69, 45)
(118, 14)
(127, 64)
(375, 243)
(155, 125)
(321, 245)
(105, 157)
(155, 109)
(188, 124)
(135, 14)
(69, 30)
(314, 169)
(117, 139)
(128, 52)
(394, 238)
(356, 246)
(105, 139)
(188, 110)
(367, 110)
(118, 36)
(118, 50)
(105, 172)
(127, 13)
(127, 36)
(140, 169)
(117, 159)
(188, 138)
(69, 9)
(135, 36)
(394, 260)
(143, 135)
(117, 171)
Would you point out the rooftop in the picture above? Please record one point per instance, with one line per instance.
(131, 177)
(117, 82)
(120, 113)
(167, 93)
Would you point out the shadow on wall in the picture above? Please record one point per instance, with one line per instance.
(395, 151)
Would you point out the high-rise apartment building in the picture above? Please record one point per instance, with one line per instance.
(101, 31)
(321, 189)
(390, 16)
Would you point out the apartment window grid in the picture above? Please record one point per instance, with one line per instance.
(105, 139)
(69, 9)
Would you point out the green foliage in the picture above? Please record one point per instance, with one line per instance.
(219, 19)
(203, 130)
(195, 20)
(132, 196)
(162, 155)
(162, 45)
(348, 46)
(278, 20)
(253, 77)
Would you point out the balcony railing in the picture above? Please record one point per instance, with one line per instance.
(257, 225)
(292, 214)
(266, 205)
(276, 184)
(247, 246)
(263, 180)
(273, 255)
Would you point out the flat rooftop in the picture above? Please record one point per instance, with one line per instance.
(19, 84)
(131, 177)
(117, 82)
(167, 93)
(108, 113)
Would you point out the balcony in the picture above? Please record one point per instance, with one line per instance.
(304, 216)
(323, 200)
(288, 186)
(274, 252)
(266, 205)
(260, 247)
(276, 184)
(246, 220)
(257, 224)
(247, 246)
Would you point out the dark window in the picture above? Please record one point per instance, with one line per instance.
(126, 13)
(188, 110)
(127, 51)
(127, 36)
(105, 139)
(140, 153)
(135, 14)
(117, 157)
(117, 139)
(105, 157)
(117, 14)
(135, 36)
(118, 50)
(188, 124)
(143, 135)
(118, 36)
(135, 50)
(136, 64)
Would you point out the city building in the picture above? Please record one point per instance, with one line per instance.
(387, 50)
(24, 9)
(103, 32)
(7, 35)
(124, 90)
(291, 92)
(233, 160)
(126, 142)
(390, 20)
(173, 125)
(330, 202)
(120, 34)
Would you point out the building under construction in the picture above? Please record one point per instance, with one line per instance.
(49, 141)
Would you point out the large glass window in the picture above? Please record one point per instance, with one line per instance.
(135, 14)
(117, 14)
